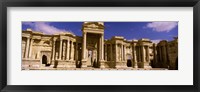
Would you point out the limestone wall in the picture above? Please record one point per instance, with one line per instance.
(66, 50)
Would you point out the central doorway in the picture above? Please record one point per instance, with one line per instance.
(90, 62)
(92, 46)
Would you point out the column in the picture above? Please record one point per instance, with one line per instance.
(27, 47)
(116, 52)
(38, 55)
(53, 55)
(143, 56)
(122, 52)
(60, 50)
(72, 51)
(84, 45)
(154, 54)
(102, 47)
(67, 56)
(148, 55)
(70, 57)
(106, 54)
(30, 49)
(64, 48)
(134, 55)
(76, 51)
(139, 54)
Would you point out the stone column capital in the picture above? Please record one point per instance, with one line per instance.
(54, 39)
(28, 37)
(84, 33)
(61, 39)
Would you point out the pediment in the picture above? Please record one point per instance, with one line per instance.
(93, 25)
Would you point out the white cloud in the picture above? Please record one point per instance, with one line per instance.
(156, 41)
(45, 27)
(162, 26)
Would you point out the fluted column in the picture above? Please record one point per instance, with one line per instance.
(53, 55)
(60, 50)
(30, 49)
(27, 47)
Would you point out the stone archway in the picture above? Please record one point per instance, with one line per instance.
(44, 60)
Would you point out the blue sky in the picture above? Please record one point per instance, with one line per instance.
(130, 30)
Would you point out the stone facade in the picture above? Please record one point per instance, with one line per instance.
(65, 50)
(166, 54)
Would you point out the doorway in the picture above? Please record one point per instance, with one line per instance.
(44, 60)
(129, 63)
(89, 62)
(129, 60)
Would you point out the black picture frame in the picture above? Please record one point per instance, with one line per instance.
(100, 3)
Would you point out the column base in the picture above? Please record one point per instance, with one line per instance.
(63, 64)
(135, 66)
(102, 64)
(83, 63)
(120, 64)
(146, 65)
(72, 64)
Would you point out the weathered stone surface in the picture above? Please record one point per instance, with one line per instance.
(91, 51)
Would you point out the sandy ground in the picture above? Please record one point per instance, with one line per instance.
(91, 68)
